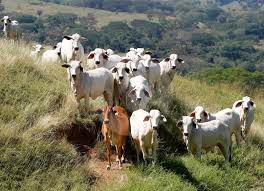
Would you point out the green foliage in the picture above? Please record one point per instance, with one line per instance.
(248, 80)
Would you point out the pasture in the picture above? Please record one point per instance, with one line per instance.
(103, 17)
(46, 146)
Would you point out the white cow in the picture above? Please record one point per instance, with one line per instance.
(144, 127)
(245, 109)
(198, 136)
(37, 51)
(122, 74)
(109, 52)
(134, 56)
(227, 116)
(11, 28)
(71, 48)
(52, 56)
(139, 93)
(101, 59)
(168, 68)
(93, 83)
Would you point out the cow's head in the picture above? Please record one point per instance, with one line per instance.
(186, 125)
(121, 72)
(155, 118)
(75, 40)
(57, 48)
(245, 106)
(75, 70)
(172, 60)
(38, 47)
(139, 93)
(6, 20)
(99, 56)
(199, 114)
(146, 60)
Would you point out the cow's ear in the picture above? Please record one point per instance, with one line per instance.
(9, 20)
(65, 65)
(146, 93)
(252, 104)
(146, 118)
(179, 124)
(2, 20)
(91, 56)
(149, 53)
(127, 70)
(167, 59)
(180, 60)
(55, 46)
(156, 61)
(105, 56)
(114, 70)
(192, 114)
(206, 115)
(67, 37)
(132, 92)
(163, 118)
(239, 103)
(125, 60)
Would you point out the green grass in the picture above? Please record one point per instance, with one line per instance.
(37, 109)
(103, 17)
(34, 103)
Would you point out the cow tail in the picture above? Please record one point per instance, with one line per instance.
(230, 153)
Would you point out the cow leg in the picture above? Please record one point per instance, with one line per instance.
(238, 137)
(107, 98)
(108, 145)
(137, 149)
(198, 152)
(154, 153)
(119, 154)
(123, 154)
(144, 152)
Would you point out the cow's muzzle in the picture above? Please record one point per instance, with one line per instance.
(173, 67)
(134, 69)
(74, 77)
(139, 99)
(186, 134)
(121, 77)
(97, 62)
(155, 127)
(76, 48)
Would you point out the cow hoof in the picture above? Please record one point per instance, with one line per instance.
(108, 167)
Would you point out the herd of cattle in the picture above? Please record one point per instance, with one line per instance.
(129, 81)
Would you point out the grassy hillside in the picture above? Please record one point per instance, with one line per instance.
(103, 17)
(44, 145)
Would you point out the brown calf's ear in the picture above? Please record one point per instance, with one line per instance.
(146, 118)
(65, 65)
(167, 59)
(125, 60)
(67, 37)
(238, 104)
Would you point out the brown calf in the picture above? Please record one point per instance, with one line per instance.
(115, 130)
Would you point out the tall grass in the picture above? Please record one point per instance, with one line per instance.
(34, 103)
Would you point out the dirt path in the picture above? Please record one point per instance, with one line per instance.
(107, 178)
